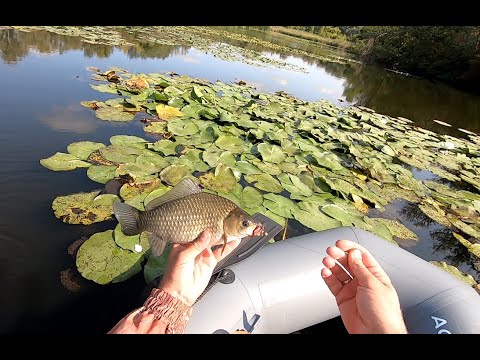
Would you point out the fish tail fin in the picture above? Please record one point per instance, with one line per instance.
(128, 217)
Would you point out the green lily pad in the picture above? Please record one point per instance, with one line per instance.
(182, 127)
(341, 214)
(271, 153)
(231, 143)
(162, 189)
(136, 243)
(264, 182)
(174, 173)
(279, 205)
(166, 147)
(397, 229)
(157, 127)
(84, 208)
(113, 114)
(452, 270)
(137, 171)
(156, 265)
(294, 185)
(222, 180)
(378, 228)
(105, 88)
(166, 112)
(309, 215)
(127, 139)
(251, 198)
(83, 149)
(328, 160)
(101, 173)
(99, 259)
(63, 162)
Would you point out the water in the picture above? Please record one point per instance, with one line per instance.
(43, 79)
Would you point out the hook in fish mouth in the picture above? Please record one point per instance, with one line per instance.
(259, 230)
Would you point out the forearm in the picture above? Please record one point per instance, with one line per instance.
(161, 313)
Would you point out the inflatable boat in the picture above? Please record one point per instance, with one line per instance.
(277, 288)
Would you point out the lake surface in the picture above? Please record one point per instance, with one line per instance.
(43, 78)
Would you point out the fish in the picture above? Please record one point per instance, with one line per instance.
(182, 214)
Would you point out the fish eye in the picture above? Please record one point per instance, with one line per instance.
(245, 223)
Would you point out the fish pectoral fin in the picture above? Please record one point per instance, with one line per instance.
(183, 188)
(157, 244)
(224, 238)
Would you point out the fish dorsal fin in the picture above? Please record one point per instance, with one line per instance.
(183, 188)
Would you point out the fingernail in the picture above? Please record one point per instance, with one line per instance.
(356, 254)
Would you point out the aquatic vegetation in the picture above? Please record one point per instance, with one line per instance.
(205, 39)
(313, 162)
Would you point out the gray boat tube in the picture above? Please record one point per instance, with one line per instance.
(279, 290)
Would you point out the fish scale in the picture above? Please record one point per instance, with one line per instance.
(183, 220)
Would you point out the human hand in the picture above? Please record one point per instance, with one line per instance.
(368, 303)
(190, 267)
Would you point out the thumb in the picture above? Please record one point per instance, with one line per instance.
(358, 268)
(195, 248)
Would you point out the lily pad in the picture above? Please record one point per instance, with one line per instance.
(251, 198)
(452, 270)
(222, 180)
(397, 229)
(63, 162)
(99, 259)
(294, 185)
(265, 182)
(127, 139)
(174, 173)
(473, 248)
(113, 114)
(166, 147)
(460, 225)
(309, 215)
(231, 143)
(279, 205)
(271, 153)
(156, 265)
(105, 88)
(101, 173)
(166, 112)
(84, 208)
(182, 127)
(83, 149)
(434, 213)
(136, 243)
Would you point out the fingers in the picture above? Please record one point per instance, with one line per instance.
(228, 250)
(334, 253)
(191, 250)
(367, 258)
(332, 281)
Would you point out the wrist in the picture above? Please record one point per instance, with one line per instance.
(176, 293)
(170, 310)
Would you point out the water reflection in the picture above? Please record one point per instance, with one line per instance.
(443, 242)
(73, 118)
(385, 92)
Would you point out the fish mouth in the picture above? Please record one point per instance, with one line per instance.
(259, 230)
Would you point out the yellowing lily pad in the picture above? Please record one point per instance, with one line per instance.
(222, 180)
(166, 112)
(113, 114)
(174, 173)
(398, 229)
(84, 208)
